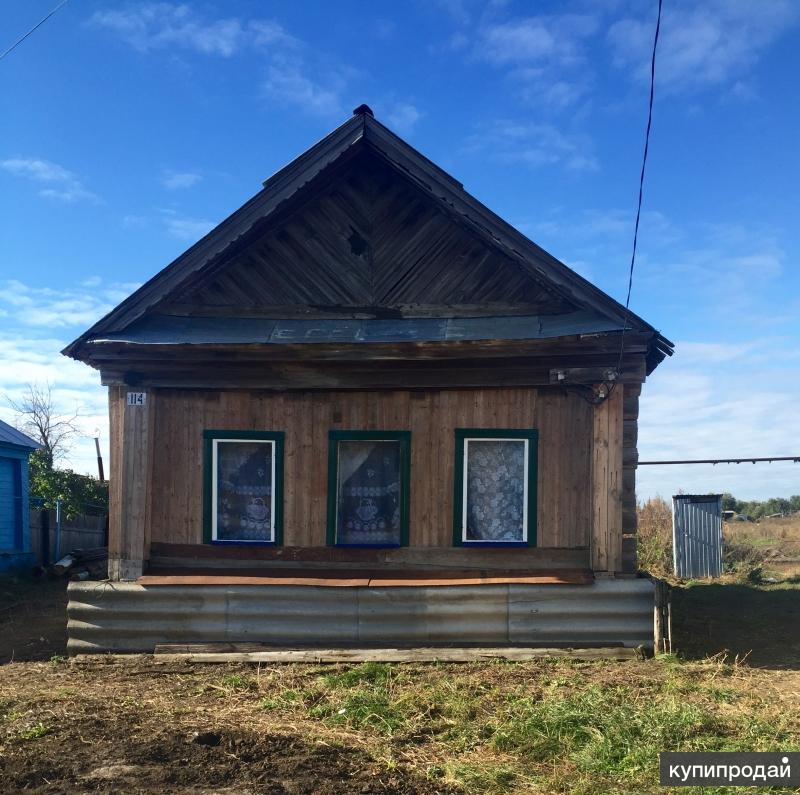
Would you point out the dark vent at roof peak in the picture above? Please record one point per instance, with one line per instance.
(363, 110)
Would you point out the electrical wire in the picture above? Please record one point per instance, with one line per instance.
(37, 25)
(641, 193)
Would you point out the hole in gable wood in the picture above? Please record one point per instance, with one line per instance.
(358, 246)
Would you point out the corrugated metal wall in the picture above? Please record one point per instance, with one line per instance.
(697, 535)
(130, 617)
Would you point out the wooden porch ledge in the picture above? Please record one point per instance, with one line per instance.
(358, 578)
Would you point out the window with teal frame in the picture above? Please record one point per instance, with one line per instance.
(243, 487)
(494, 500)
(368, 484)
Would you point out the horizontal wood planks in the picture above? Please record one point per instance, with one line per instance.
(207, 556)
(564, 423)
(255, 653)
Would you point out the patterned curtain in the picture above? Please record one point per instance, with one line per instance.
(495, 490)
(368, 493)
(244, 491)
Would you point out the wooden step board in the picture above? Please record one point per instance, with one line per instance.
(257, 653)
(359, 578)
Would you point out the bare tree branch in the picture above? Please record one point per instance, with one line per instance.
(37, 417)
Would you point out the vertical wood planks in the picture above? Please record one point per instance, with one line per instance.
(132, 473)
(565, 424)
(606, 532)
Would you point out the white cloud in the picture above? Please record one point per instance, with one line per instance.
(75, 387)
(47, 307)
(718, 400)
(58, 182)
(545, 57)
(403, 117)
(155, 26)
(545, 39)
(296, 74)
(173, 180)
(191, 229)
(702, 44)
(134, 221)
(291, 84)
(534, 145)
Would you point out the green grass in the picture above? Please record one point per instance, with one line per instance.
(6, 711)
(550, 725)
(34, 732)
(238, 682)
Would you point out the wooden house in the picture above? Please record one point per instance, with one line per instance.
(15, 542)
(366, 410)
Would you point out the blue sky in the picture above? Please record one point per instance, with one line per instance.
(129, 130)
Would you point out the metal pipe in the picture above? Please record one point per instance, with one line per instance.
(795, 458)
(99, 458)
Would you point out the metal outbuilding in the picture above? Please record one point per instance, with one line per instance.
(697, 535)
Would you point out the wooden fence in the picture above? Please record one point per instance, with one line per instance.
(85, 531)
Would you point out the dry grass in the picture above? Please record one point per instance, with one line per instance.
(655, 536)
(537, 727)
(769, 548)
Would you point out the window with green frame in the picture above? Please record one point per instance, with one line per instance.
(368, 483)
(243, 487)
(494, 501)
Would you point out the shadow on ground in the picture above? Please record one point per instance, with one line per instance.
(758, 622)
(33, 618)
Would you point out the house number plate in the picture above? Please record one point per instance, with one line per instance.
(137, 398)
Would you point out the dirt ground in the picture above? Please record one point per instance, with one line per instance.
(33, 618)
(140, 725)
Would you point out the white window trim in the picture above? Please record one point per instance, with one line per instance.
(465, 496)
(214, 491)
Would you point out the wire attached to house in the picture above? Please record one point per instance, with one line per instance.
(610, 389)
(37, 25)
(794, 458)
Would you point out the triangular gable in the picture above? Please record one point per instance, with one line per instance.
(520, 268)
(368, 241)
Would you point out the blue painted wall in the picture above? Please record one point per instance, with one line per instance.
(15, 542)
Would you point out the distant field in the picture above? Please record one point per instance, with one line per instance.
(776, 540)
(769, 548)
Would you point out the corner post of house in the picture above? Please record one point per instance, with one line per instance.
(131, 412)
(606, 485)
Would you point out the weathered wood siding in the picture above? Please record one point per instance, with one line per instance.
(565, 425)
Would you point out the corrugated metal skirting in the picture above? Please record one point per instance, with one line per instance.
(128, 617)
(697, 535)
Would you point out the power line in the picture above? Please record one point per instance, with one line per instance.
(641, 190)
(794, 458)
(37, 25)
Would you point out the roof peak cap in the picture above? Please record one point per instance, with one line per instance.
(363, 110)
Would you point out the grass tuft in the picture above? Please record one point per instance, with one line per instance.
(34, 732)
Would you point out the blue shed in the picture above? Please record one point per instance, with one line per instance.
(15, 542)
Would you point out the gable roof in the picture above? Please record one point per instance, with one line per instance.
(295, 181)
(11, 436)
